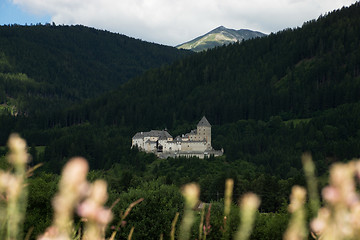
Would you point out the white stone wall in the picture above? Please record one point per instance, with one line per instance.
(164, 144)
(192, 137)
(204, 133)
(138, 142)
(171, 147)
(146, 139)
(150, 146)
(193, 146)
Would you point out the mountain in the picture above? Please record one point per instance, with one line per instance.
(218, 37)
(294, 73)
(54, 66)
(268, 99)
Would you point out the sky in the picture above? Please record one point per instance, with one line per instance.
(168, 22)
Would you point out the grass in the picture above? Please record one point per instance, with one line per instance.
(208, 41)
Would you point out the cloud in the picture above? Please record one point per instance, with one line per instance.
(173, 22)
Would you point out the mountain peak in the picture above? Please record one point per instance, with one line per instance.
(218, 37)
(220, 28)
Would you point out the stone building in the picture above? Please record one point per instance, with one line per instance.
(195, 143)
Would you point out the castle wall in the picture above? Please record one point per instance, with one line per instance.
(171, 147)
(204, 133)
(150, 146)
(160, 142)
(193, 146)
(138, 142)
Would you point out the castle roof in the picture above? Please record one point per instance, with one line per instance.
(204, 122)
(161, 134)
(138, 135)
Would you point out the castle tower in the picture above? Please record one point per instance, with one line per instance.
(204, 131)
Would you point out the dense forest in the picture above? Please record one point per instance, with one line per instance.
(294, 74)
(51, 67)
(269, 100)
(252, 92)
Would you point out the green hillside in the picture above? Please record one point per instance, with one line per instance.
(52, 66)
(253, 93)
(295, 73)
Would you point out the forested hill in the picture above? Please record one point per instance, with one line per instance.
(58, 65)
(295, 73)
(269, 100)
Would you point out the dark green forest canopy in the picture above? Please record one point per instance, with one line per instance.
(294, 73)
(264, 98)
(48, 66)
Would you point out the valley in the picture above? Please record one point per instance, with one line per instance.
(77, 91)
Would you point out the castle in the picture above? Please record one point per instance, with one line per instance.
(196, 143)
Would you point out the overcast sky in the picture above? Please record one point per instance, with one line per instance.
(169, 22)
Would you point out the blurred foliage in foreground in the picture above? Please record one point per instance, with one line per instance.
(151, 211)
